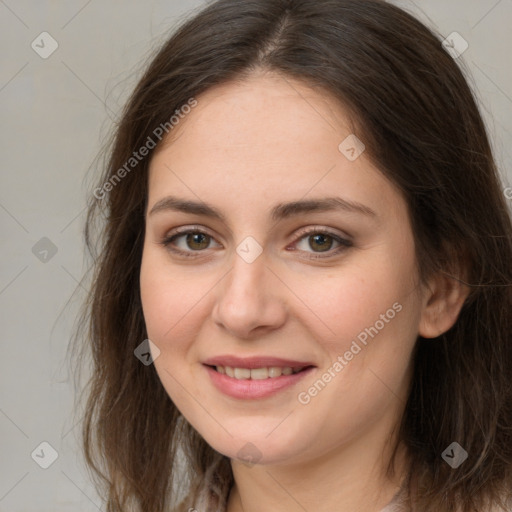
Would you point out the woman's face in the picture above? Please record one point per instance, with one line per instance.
(303, 257)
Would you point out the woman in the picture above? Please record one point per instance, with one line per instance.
(302, 297)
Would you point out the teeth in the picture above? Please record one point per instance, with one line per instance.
(257, 373)
(275, 371)
(242, 373)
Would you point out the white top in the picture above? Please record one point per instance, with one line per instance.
(202, 505)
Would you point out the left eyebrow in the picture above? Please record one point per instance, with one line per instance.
(285, 210)
(278, 212)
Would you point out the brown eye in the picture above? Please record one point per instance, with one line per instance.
(316, 241)
(188, 243)
(197, 241)
(320, 242)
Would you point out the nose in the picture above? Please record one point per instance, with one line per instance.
(250, 300)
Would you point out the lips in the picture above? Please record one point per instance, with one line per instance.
(249, 389)
(255, 362)
(240, 377)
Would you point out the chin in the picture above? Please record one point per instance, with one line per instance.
(258, 446)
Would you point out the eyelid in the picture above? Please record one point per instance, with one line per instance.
(322, 230)
(185, 230)
(344, 241)
(188, 229)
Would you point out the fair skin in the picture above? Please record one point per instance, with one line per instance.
(243, 149)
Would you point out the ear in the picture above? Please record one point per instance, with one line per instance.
(442, 301)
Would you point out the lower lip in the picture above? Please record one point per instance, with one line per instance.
(248, 389)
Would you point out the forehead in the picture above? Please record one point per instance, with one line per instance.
(264, 140)
(253, 111)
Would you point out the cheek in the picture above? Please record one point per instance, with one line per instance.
(346, 301)
(366, 314)
(170, 298)
(176, 303)
(172, 305)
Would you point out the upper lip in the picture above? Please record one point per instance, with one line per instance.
(254, 362)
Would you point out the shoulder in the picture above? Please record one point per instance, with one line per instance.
(204, 501)
(184, 507)
(508, 505)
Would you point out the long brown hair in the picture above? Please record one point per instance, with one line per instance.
(421, 126)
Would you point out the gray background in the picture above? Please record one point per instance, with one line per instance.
(55, 115)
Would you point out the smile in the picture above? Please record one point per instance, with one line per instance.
(257, 373)
(255, 383)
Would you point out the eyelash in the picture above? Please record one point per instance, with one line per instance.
(344, 244)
